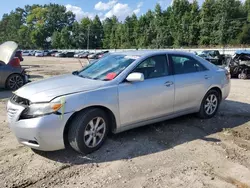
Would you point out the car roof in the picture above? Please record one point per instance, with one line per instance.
(242, 52)
(151, 52)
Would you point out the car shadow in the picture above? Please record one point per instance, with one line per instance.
(5, 94)
(35, 76)
(158, 137)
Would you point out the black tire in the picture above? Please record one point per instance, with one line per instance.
(78, 128)
(14, 82)
(203, 108)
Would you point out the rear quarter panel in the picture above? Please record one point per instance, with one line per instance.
(220, 80)
(218, 77)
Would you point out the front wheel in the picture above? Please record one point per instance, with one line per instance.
(209, 105)
(88, 130)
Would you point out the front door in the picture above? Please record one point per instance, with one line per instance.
(151, 98)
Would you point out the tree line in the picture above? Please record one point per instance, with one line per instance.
(184, 23)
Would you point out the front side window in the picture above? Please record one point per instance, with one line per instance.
(184, 64)
(106, 68)
(153, 67)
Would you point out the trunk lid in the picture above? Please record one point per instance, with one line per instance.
(7, 51)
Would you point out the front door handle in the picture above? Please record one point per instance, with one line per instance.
(169, 83)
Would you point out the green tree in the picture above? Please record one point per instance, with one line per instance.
(97, 33)
(56, 40)
(207, 14)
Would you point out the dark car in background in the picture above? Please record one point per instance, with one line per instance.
(12, 75)
(69, 54)
(97, 55)
(213, 56)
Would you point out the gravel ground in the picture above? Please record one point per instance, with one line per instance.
(183, 152)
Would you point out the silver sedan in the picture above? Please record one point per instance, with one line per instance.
(118, 92)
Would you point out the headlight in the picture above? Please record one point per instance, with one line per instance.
(39, 109)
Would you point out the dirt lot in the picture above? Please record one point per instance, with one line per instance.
(183, 152)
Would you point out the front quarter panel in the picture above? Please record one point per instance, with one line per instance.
(105, 97)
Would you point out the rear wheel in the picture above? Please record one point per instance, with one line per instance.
(14, 82)
(209, 105)
(88, 130)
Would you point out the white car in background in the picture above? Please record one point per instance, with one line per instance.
(26, 53)
(33, 52)
(39, 54)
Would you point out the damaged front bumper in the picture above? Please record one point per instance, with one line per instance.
(41, 133)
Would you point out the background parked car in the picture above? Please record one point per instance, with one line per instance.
(39, 54)
(213, 56)
(69, 54)
(100, 55)
(93, 55)
(52, 53)
(26, 53)
(60, 54)
(84, 55)
(45, 53)
(240, 64)
(97, 55)
(34, 52)
(78, 54)
(12, 75)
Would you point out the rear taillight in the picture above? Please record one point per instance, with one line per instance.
(15, 62)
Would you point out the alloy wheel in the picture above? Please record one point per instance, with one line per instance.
(15, 82)
(94, 132)
(211, 104)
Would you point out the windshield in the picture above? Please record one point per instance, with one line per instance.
(106, 68)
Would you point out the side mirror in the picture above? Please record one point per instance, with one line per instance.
(135, 77)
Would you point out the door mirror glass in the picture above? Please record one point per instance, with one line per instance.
(135, 77)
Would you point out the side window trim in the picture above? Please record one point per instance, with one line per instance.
(186, 56)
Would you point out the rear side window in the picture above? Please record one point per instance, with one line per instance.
(185, 64)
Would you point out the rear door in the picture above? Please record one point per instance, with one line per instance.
(191, 79)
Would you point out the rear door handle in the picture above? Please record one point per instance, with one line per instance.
(206, 77)
(168, 83)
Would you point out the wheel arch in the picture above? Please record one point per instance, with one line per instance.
(216, 88)
(109, 113)
(5, 85)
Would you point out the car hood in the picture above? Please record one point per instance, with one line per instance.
(7, 51)
(48, 89)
